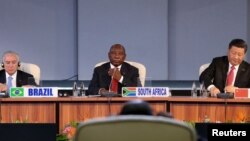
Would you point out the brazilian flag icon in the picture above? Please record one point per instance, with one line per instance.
(17, 92)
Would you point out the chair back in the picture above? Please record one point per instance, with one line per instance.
(31, 69)
(141, 68)
(134, 128)
(203, 67)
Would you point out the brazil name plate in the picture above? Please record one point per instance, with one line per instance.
(34, 92)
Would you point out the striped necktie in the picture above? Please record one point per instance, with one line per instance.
(230, 76)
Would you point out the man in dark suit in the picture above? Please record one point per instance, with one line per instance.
(125, 74)
(217, 76)
(10, 76)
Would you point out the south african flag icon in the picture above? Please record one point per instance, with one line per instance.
(129, 91)
(17, 92)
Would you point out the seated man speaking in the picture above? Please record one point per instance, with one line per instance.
(10, 76)
(113, 75)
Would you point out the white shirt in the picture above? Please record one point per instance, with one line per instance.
(13, 78)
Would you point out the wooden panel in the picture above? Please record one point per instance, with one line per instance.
(217, 110)
(82, 111)
(233, 111)
(197, 111)
(29, 112)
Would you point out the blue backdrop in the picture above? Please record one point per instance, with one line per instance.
(171, 37)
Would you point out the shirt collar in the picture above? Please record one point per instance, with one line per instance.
(112, 66)
(13, 76)
(236, 67)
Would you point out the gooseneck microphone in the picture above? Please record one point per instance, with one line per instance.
(110, 83)
(109, 93)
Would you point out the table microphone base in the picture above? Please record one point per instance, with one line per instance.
(225, 95)
(3, 95)
(110, 94)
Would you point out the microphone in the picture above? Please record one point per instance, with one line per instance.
(110, 93)
(225, 95)
(3, 95)
(110, 83)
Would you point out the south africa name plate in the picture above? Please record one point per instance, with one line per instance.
(145, 92)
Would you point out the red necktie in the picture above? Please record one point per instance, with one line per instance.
(114, 85)
(230, 76)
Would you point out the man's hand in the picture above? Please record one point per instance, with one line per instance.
(102, 91)
(214, 91)
(230, 89)
(115, 73)
(3, 87)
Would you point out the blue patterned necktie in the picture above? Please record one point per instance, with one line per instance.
(9, 83)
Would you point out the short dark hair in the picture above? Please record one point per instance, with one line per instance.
(238, 43)
(118, 46)
(136, 107)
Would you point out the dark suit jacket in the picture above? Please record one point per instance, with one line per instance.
(216, 74)
(23, 78)
(101, 79)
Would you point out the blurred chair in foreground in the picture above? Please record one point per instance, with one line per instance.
(134, 128)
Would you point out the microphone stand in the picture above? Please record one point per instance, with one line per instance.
(109, 96)
(109, 104)
(225, 112)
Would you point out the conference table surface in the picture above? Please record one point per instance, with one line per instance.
(63, 110)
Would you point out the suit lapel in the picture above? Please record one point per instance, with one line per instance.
(241, 70)
(18, 79)
(224, 71)
(106, 69)
(123, 69)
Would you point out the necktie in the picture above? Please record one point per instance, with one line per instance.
(230, 76)
(9, 83)
(114, 85)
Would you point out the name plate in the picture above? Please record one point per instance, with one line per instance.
(145, 92)
(34, 92)
(242, 93)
